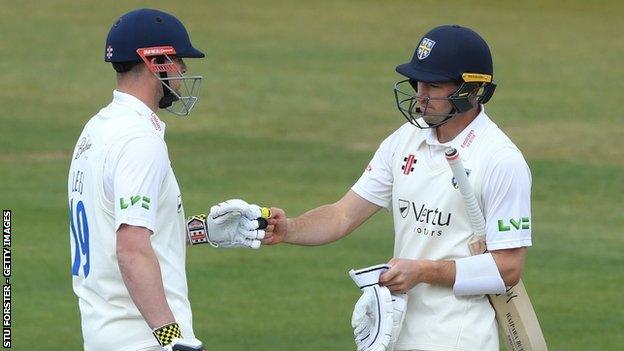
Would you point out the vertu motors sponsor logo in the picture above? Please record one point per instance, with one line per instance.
(429, 222)
(423, 214)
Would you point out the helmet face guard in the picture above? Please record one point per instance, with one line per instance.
(180, 92)
(475, 87)
(157, 38)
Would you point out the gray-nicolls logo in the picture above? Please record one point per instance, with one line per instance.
(409, 162)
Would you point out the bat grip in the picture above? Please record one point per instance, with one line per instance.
(472, 206)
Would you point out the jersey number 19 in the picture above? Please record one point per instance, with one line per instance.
(80, 232)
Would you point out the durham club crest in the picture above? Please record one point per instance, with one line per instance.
(424, 49)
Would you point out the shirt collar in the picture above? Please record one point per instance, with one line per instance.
(464, 139)
(139, 107)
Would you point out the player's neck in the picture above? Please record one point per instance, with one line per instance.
(139, 90)
(449, 130)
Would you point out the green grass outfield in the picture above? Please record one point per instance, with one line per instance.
(296, 98)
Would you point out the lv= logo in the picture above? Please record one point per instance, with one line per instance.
(123, 203)
(521, 223)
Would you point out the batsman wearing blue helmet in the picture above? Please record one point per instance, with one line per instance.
(128, 230)
(446, 85)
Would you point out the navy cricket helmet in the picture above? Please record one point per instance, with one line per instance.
(448, 53)
(146, 28)
(156, 38)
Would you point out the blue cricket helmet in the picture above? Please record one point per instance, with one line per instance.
(448, 53)
(144, 28)
(445, 53)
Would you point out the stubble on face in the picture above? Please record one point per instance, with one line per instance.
(432, 100)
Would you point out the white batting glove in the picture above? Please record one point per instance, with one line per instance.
(232, 223)
(372, 319)
(399, 307)
(365, 320)
(184, 345)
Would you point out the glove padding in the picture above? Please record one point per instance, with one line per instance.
(399, 306)
(372, 319)
(370, 315)
(234, 223)
(178, 344)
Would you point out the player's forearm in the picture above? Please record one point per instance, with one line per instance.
(319, 226)
(510, 263)
(141, 274)
(440, 272)
(404, 274)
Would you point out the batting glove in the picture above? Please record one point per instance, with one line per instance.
(372, 319)
(399, 307)
(378, 315)
(170, 338)
(184, 345)
(232, 223)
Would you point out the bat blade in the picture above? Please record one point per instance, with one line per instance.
(517, 320)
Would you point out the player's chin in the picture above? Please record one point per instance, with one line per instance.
(432, 119)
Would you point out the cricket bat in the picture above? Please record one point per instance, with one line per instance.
(514, 312)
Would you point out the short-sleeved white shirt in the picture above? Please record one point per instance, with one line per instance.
(409, 175)
(121, 174)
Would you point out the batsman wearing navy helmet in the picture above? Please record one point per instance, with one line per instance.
(445, 87)
(128, 231)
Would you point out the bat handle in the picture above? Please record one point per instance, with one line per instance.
(477, 244)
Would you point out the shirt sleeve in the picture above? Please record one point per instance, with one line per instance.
(507, 201)
(140, 166)
(375, 184)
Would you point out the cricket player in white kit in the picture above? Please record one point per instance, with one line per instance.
(128, 230)
(448, 82)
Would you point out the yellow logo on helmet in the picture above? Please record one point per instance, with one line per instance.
(476, 77)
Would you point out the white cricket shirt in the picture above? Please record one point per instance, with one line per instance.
(409, 175)
(120, 173)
